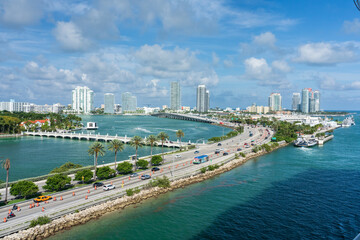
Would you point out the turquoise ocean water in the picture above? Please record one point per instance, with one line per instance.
(34, 156)
(292, 193)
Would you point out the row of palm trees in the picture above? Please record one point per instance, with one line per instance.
(98, 149)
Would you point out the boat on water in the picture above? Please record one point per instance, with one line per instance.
(348, 122)
(302, 142)
(91, 126)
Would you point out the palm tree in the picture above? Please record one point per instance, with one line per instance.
(116, 146)
(136, 142)
(6, 165)
(152, 141)
(180, 134)
(96, 149)
(162, 136)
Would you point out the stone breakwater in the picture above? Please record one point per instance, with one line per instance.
(94, 212)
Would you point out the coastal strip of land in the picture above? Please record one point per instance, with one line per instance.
(94, 212)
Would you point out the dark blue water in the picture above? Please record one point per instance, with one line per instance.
(292, 193)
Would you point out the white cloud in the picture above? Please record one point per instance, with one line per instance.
(257, 68)
(281, 66)
(20, 13)
(352, 26)
(327, 53)
(275, 75)
(70, 37)
(265, 39)
(177, 63)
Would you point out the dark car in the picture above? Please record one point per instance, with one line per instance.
(155, 169)
(219, 144)
(98, 184)
(196, 152)
(239, 149)
(144, 177)
(225, 153)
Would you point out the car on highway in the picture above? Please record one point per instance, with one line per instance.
(196, 152)
(134, 175)
(144, 177)
(219, 144)
(239, 149)
(155, 169)
(98, 184)
(42, 199)
(108, 187)
(225, 153)
(178, 156)
(217, 151)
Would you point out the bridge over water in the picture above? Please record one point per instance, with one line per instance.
(187, 117)
(103, 138)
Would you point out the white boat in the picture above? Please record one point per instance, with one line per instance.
(348, 122)
(302, 142)
(91, 126)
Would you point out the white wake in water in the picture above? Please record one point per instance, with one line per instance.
(143, 130)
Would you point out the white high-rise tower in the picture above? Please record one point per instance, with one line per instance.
(82, 100)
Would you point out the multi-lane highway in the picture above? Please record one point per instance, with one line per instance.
(174, 167)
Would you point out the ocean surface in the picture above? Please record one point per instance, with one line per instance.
(34, 156)
(292, 193)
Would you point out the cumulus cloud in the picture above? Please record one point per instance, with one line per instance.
(327, 53)
(265, 39)
(267, 75)
(264, 42)
(257, 68)
(70, 37)
(177, 63)
(20, 13)
(352, 26)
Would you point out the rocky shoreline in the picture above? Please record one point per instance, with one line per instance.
(94, 212)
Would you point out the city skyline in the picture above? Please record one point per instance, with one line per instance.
(242, 53)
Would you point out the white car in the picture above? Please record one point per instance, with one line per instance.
(108, 187)
(178, 156)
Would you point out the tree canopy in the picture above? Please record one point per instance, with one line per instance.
(24, 189)
(57, 182)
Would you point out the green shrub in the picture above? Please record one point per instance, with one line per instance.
(86, 173)
(203, 170)
(156, 160)
(66, 167)
(105, 172)
(213, 167)
(24, 188)
(242, 154)
(236, 156)
(129, 192)
(124, 168)
(137, 190)
(57, 182)
(142, 163)
(40, 221)
(266, 147)
(163, 182)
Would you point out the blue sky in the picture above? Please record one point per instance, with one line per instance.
(241, 50)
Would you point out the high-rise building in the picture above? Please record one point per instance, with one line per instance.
(275, 102)
(202, 99)
(175, 96)
(305, 100)
(82, 100)
(109, 102)
(317, 101)
(129, 102)
(296, 101)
